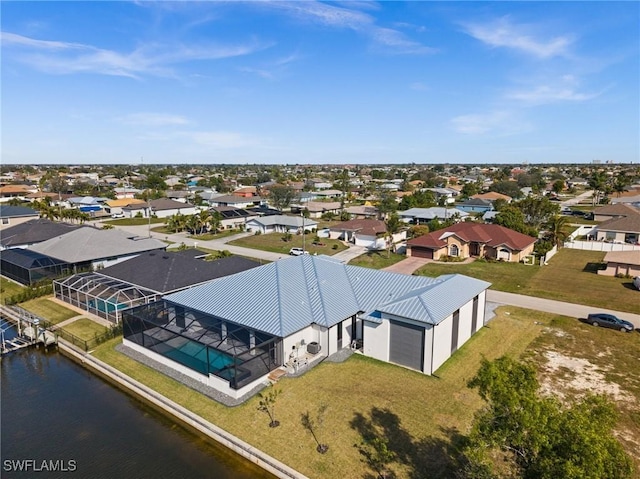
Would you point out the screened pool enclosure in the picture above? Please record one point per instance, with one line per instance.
(203, 343)
(101, 295)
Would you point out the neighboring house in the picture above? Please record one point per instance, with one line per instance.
(448, 194)
(236, 201)
(142, 280)
(181, 196)
(424, 215)
(326, 194)
(490, 216)
(229, 334)
(280, 224)
(626, 263)
(32, 232)
(492, 196)
(165, 208)
(368, 233)
(624, 229)
(317, 208)
(306, 196)
(617, 210)
(92, 248)
(16, 191)
(15, 215)
(126, 192)
(247, 191)
(114, 207)
(473, 239)
(475, 205)
(362, 212)
(232, 218)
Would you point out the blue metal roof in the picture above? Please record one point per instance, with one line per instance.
(290, 294)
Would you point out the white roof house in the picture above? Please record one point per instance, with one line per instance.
(255, 321)
(423, 215)
(280, 224)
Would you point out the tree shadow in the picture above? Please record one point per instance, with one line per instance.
(426, 458)
(594, 267)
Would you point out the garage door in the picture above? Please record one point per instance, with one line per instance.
(421, 252)
(406, 345)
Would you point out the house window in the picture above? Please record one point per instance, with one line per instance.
(5, 221)
(453, 250)
(611, 236)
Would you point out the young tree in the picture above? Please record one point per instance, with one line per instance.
(314, 425)
(537, 436)
(393, 225)
(267, 404)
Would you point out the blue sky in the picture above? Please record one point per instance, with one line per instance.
(320, 82)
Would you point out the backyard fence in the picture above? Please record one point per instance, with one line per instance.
(601, 246)
(88, 344)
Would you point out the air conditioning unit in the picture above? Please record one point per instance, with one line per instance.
(313, 348)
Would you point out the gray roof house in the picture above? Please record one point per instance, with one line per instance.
(92, 248)
(231, 333)
(33, 231)
(424, 215)
(14, 215)
(280, 224)
(143, 279)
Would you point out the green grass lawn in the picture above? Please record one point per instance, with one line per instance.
(49, 310)
(85, 329)
(416, 412)
(211, 236)
(134, 221)
(8, 288)
(377, 259)
(569, 276)
(273, 242)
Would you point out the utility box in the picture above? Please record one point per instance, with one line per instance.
(313, 348)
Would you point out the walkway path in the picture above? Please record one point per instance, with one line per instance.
(412, 264)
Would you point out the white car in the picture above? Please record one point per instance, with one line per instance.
(117, 215)
(297, 251)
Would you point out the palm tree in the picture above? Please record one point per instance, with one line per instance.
(557, 229)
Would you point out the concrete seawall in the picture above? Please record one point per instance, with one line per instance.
(180, 413)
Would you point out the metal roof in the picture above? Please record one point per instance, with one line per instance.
(284, 220)
(290, 294)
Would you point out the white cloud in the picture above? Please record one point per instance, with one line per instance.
(393, 41)
(498, 123)
(154, 119)
(549, 94)
(504, 33)
(152, 59)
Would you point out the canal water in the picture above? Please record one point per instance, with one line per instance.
(60, 420)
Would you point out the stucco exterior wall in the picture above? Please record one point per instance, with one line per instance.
(376, 340)
(441, 343)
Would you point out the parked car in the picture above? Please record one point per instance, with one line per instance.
(117, 215)
(297, 251)
(636, 282)
(610, 321)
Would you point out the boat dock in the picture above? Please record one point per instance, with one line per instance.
(28, 328)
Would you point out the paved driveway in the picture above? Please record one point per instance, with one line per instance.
(408, 265)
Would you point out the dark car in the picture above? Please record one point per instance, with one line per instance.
(610, 321)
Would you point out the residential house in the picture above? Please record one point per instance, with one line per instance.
(34, 231)
(617, 210)
(236, 201)
(142, 280)
(475, 205)
(424, 215)
(317, 208)
(15, 215)
(328, 194)
(280, 224)
(625, 263)
(365, 232)
(623, 229)
(468, 239)
(232, 218)
(359, 212)
(445, 194)
(160, 208)
(230, 334)
(126, 192)
(114, 207)
(492, 196)
(8, 192)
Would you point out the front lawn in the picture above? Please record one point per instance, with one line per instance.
(50, 310)
(417, 413)
(274, 242)
(570, 276)
(215, 236)
(134, 221)
(377, 259)
(85, 329)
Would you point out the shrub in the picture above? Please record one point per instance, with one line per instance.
(335, 246)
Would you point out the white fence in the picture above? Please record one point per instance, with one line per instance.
(601, 246)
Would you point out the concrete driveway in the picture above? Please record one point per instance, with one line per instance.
(407, 266)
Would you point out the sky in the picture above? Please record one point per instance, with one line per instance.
(306, 82)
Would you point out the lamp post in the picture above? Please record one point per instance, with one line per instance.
(303, 235)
